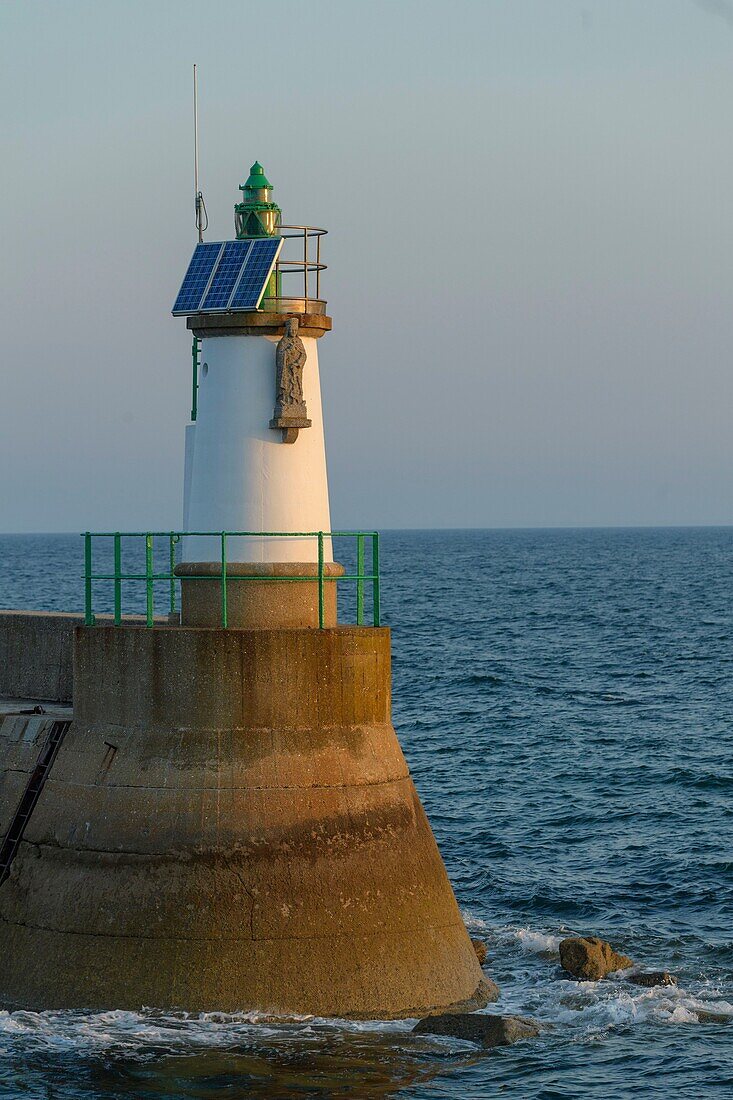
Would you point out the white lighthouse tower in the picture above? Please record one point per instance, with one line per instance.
(255, 452)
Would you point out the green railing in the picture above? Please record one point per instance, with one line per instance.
(150, 576)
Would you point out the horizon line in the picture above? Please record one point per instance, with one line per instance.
(517, 527)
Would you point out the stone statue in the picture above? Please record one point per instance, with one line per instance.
(290, 409)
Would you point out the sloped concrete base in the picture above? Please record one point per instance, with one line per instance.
(230, 824)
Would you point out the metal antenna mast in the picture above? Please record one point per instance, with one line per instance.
(198, 197)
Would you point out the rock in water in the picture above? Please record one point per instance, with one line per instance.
(489, 989)
(650, 978)
(487, 1031)
(705, 1017)
(481, 950)
(590, 959)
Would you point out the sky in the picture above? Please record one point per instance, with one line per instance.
(530, 249)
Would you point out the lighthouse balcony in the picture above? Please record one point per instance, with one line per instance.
(302, 306)
(296, 283)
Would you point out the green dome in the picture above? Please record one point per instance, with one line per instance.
(257, 179)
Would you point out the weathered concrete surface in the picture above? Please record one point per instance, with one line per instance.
(22, 737)
(230, 824)
(286, 604)
(256, 323)
(36, 653)
(32, 707)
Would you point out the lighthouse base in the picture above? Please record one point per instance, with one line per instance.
(230, 824)
(259, 594)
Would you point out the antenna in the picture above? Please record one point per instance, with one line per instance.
(199, 203)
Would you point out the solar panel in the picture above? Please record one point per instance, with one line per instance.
(255, 273)
(227, 272)
(197, 277)
(227, 275)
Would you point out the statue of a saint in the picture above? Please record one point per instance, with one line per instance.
(290, 409)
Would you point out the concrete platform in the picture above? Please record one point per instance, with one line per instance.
(229, 824)
(48, 708)
(36, 653)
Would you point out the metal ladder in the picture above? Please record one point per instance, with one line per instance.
(30, 797)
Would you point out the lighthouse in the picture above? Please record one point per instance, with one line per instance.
(255, 454)
(229, 822)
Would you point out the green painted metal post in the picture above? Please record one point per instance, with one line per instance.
(173, 539)
(320, 581)
(375, 574)
(224, 611)
(149, 608)
(359, 580)
(88, 612)
(195, 348)
(118, 578)
(149, 576)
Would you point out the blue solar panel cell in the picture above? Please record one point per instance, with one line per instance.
(197, 277)
(233, 258)
(229, 275)
(255, 274)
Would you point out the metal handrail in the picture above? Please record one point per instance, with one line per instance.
(307, 264)
(150, 576)
(312, 230)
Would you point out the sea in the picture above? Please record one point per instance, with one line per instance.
(564, 699)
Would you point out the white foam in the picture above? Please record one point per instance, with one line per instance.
(597, 1007)
(538, 943)
(682, 1015)
(139, 1033)
(475, 924)
(530, 985)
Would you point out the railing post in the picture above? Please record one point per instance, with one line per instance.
(118, 578)
(320, 581)
(375, 574)
(149, 608)
(88, 612)
(224, 612)
(359, 580)
(172, 564)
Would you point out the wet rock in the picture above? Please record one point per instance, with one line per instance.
(482, 952)
(590, 958)
(487, 1031)
(489, 990)
(706, 1017)
(650, 978)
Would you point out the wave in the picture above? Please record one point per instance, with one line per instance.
(154, 1031)
(538, 943)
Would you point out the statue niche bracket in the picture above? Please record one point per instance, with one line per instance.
(290, 412)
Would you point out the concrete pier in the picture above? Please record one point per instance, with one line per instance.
(37, 653)
(230, 824)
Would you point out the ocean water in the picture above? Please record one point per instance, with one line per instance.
(565, 702)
